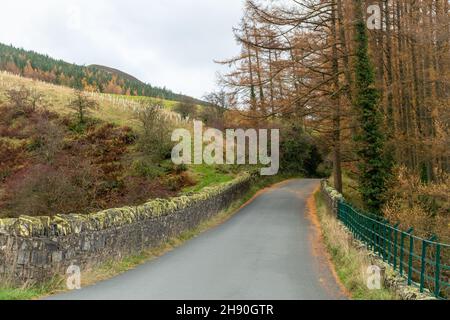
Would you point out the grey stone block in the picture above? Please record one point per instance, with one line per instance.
(23, 257)
(57, 256)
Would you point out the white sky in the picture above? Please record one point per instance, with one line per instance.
(168, 43)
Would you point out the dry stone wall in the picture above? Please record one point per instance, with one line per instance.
(36, 249)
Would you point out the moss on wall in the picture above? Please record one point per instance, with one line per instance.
(62, 225)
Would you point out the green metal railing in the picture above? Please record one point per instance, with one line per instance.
(424, 262)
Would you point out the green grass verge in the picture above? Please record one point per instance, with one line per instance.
(350, 263)
(112, 268)
(207, 175)
(29, 292)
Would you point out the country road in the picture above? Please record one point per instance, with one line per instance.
(270, 249)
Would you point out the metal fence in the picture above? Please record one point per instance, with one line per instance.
(424, 262)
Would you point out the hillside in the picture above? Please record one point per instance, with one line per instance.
(116, 109)
(115, 72)
(95, 78)
(54, 164)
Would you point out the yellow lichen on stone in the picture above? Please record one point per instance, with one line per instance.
(99, 219)
(62, 225)
(6, 225)
(26, 226)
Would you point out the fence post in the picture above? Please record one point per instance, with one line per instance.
(389, 236)
(358, 226)
(338, 209)
(374, 237)
(378, 237)
(423, 264)
(437, 279)
(402, 247)
(383, 238)
(345, 215)
(366, 238)
(395, 244)
(410, 260)
(348, 218)
(370, 233)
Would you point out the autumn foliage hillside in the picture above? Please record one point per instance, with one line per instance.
(53, 164)
(93, 78)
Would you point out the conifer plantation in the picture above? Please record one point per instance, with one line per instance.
(370, 80)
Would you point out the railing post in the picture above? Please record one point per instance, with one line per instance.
(402, 245)
(340, 213)
(378, 237)
(410, 260)
(338, 209)
(437, 289)
(358, 225)
(423, 264)
(374, 236)
(402, 248)
(349, 215)
(395, 244)
(370, 233)
(366, 238)
(388, 242)
(383, 238)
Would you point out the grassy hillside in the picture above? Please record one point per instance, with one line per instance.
(51, 163)
(117, 109)
(96, 78)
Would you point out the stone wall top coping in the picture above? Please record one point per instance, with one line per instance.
(62, 225)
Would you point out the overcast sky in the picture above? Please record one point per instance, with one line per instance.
(168, 43)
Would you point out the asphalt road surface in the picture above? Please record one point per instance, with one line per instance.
(269, 250)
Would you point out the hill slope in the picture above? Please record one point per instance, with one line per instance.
(116, 109)
(52, 164)
(116, 72)
(96, 78)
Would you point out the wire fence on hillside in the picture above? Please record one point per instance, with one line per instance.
(117, 101)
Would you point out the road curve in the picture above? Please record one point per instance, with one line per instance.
(269, 250)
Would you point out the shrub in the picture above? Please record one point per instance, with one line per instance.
(299, 153)
(426, 207)
(177, 182)
(82, 105)
(180, 168)
(186, 108)
(145, 168)
(24, 101)
(324, 170)
(47, 139)
(45, 190)
(12, 158)
(138, 190)
(154, 139)
(173, 182)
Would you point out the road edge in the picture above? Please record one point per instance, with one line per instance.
(318, 243)
(113, 269)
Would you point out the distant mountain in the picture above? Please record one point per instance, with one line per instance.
(116, 72)
(99, 78)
